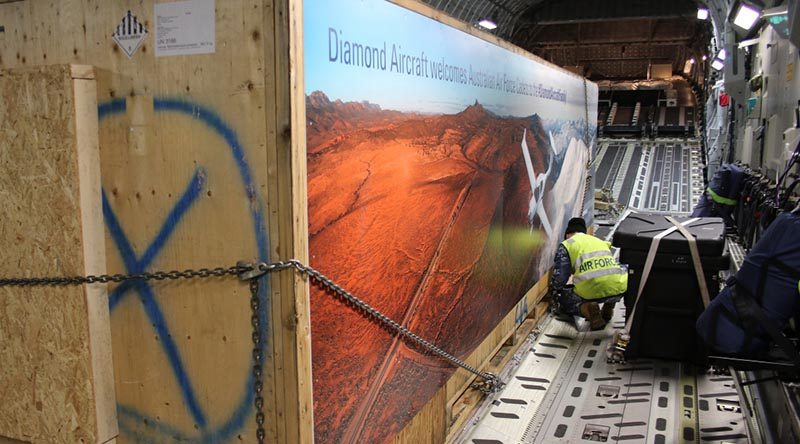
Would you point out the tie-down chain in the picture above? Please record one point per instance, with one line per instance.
(251, 272)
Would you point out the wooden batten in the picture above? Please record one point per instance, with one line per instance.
(302, 309)
(56, 381)
(203, 165)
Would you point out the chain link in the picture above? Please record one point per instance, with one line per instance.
(258, 359)
(251, 273)
(491, 382)
(117, 278)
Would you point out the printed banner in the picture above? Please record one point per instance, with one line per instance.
(442, 170)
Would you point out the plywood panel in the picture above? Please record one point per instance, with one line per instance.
(198, 171)
(56, 383)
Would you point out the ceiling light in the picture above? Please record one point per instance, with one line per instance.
(775, 12)
(746, 43)
(702, 13)
(487, 24)
(718, 64)
(778, 18)
(722, 54)
(746, 16)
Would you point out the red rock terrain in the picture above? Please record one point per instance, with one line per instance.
(422, 218)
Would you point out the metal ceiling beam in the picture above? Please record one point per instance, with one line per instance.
(587, 61)
(590, 44)
(583, 11)
(654, 28)
(608, 19)
(566, 25)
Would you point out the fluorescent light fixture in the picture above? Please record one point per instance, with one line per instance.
(774, 12)
(691, 61)
(746, 16)
(778, 18)
(746, 43)
(702, 14)
(722, 54)
(487, 24)
(718, 64)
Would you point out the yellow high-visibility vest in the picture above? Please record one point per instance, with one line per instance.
(596, 274)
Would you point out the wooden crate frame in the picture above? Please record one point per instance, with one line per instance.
(234, 121)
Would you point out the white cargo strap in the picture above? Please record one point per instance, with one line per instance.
(648, 263)
(698, 265)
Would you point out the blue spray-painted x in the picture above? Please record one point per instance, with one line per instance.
(131, 420)
(145, 291)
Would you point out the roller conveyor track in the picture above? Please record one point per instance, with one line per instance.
(617, 168)
(624, 116)
(675, 119)
(656, 177)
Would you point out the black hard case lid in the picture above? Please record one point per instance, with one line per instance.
(637, 231)
(672, 261)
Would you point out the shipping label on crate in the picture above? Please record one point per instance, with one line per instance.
(130, 34)
(185, 28)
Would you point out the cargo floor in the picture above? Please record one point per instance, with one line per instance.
(560, 388)
(663, 176)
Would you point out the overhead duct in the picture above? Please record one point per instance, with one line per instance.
(794, 24)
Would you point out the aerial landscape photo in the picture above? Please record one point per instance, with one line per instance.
(442, 222)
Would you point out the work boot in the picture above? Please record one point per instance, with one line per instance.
(563, 316)
(591, 311)
(608, 311)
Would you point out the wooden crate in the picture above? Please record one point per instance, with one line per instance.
(56, 379)
(203, 164)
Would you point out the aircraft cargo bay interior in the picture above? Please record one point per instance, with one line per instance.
(400, 221)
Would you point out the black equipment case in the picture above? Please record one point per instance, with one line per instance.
(664, 324)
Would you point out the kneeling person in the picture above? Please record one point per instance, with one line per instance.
(597, 277)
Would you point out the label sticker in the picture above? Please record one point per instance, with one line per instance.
(129, 34)
(184, 28)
